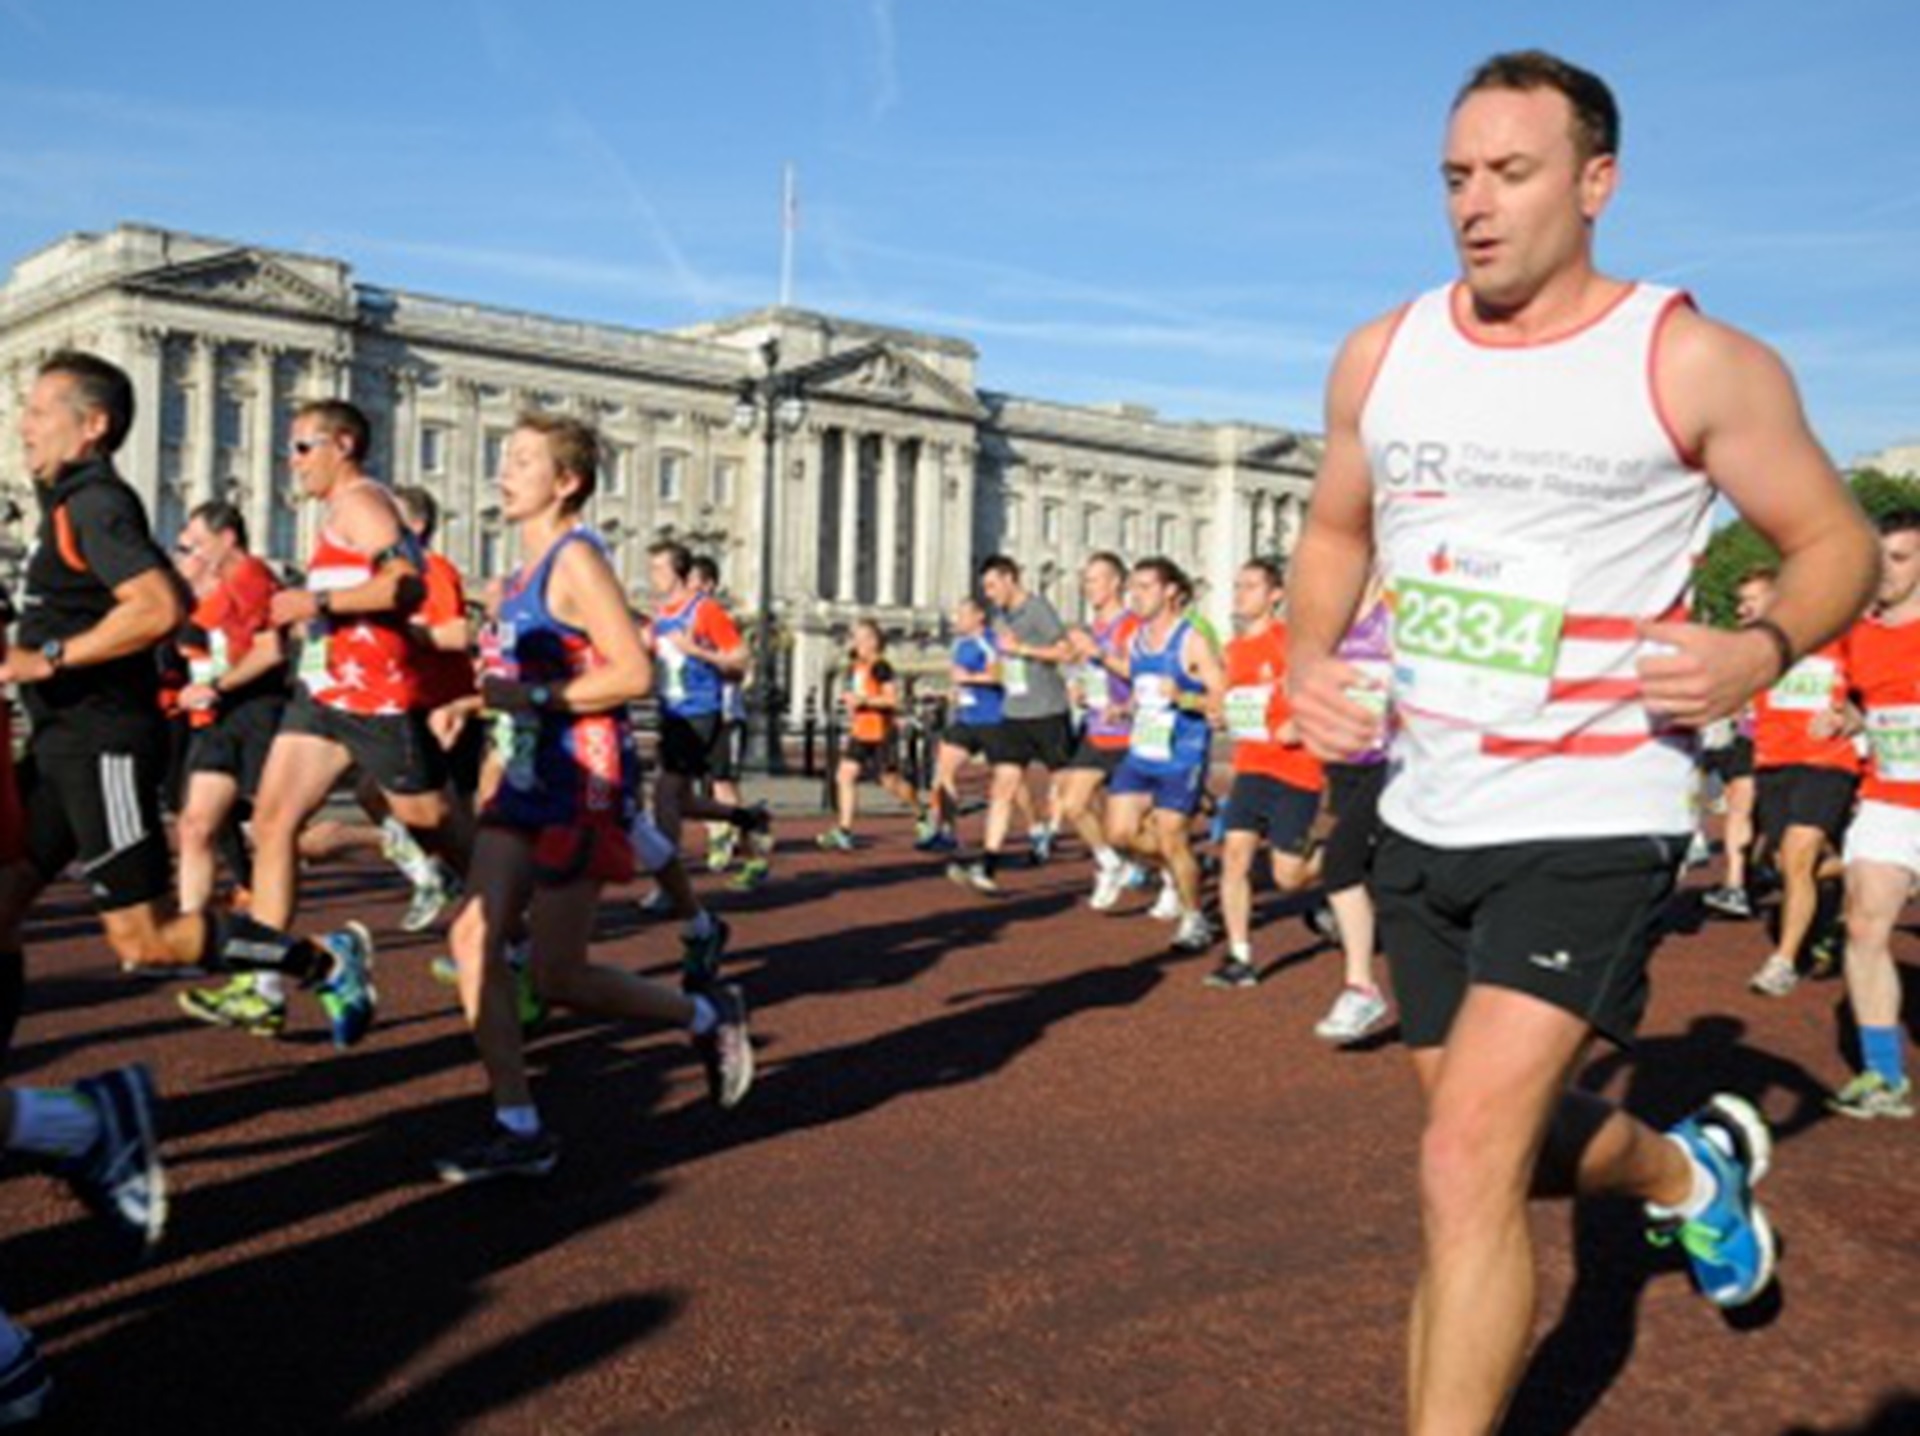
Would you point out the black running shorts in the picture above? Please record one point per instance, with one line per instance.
(101, 809)
(1569, 922)
(1276, 811)
(397, 750)
(1802, 796)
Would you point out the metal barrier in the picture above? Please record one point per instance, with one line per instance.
(916, 733)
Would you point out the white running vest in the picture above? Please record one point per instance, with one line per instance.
(1530, 505)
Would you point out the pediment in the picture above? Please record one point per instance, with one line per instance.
(244, 279)
(1286, 451)
(884, 374)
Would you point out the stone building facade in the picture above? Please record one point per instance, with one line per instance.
(896, 479)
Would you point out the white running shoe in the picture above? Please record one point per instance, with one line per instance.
(1107, 887)
(1195, 933)
(1355, 1012)
(1776, 977)
(1166, 907)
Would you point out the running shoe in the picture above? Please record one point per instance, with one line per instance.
(835, 840)
(973, 875)
(656, 903)
(120, 1178)
(24, 1385)
(726, 1050)
(1730, 1245)
(1040, 847)
(500, 1153)
(1699, 850)
(1194, 934)
(753, 874)
(1775, 978)
(239, 1004)
(720, 846)
(444, 970)
(348, 996)
(1728, 902)
(1166, 907)
(1233, 973)
(1825, 953)
(937, 842)
(1870, 1095)
(1356, 1012)
(1322, 920)
(755, 820)
(924, 831)
(700, 956)
(431, 899)
(1139, 878)
(1108, 884)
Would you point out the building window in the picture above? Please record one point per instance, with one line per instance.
(173, 415)
(1166, 535)
(493, 454)
(1013, 522)
(1129, 533)
(618, 457)
(229, 421)
(726, 483)
(490, 552)
(1050, 523)
(1090, 527)
(1201, 533)
(433, 450)
(673, 473)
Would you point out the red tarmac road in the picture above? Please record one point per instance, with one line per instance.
(1009, 1168)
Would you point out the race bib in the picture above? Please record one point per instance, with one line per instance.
(1247, 713)
(1807, 687)
(1375, 695)
(1476, 634)
(673, 665)
(313, 655)
(1013, 675)
(1894, 734)
(1153, 719)
(1096, 694)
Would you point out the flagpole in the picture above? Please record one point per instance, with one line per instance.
(789, 222)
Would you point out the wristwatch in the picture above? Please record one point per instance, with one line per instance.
(541, 697)
(323, 602)
(55, 652)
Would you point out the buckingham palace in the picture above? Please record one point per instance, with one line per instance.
(890, 472)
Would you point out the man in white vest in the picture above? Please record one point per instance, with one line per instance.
(1525, 453)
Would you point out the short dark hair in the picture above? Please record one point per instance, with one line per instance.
(341, 419)
(1111, 559)
(1000, 563)
(1269, 568)
(1167, 571)
(220, 517)
(1596, 115)
(1899, 521)
(419, 507)
(704, 567)
(99, 387)
(678, 554)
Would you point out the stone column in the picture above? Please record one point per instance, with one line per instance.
(887, 525)
(960, 481)
(930, 524)
(800, 507)
(849, 480)
(202, 445)
(406, 427)
(257, 501)
(139, 457)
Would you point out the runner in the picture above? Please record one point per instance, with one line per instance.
(1527, 452)
(554, 831)
(978, 703)
(234, 699)
(1735, 769)
(872, 699)
(1177, 683)
(1353, 797)
(357, 703)
(727, 761)
(100, 599)
(1034, 726)
(1805, 770)
(1883, 845)
(1276, 783)
(1106, 721)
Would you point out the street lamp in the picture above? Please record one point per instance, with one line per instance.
(774, 405)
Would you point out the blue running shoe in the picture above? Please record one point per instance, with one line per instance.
(1730, 1245)
(120, 1178)
(24, 1385)
(348, 996)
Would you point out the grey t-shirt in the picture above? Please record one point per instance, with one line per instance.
(1034, 689)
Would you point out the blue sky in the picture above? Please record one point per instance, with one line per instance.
(1181, 205)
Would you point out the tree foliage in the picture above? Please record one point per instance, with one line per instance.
(1736, 549)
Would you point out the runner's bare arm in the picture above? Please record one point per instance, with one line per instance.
(146, 609)
(1733, 404)
(1203, 662)
(585, 592)
(1333, 559)
(268, 652)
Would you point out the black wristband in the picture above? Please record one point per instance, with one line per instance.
(1782, 644)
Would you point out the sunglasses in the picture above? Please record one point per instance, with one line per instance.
(303, 447)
